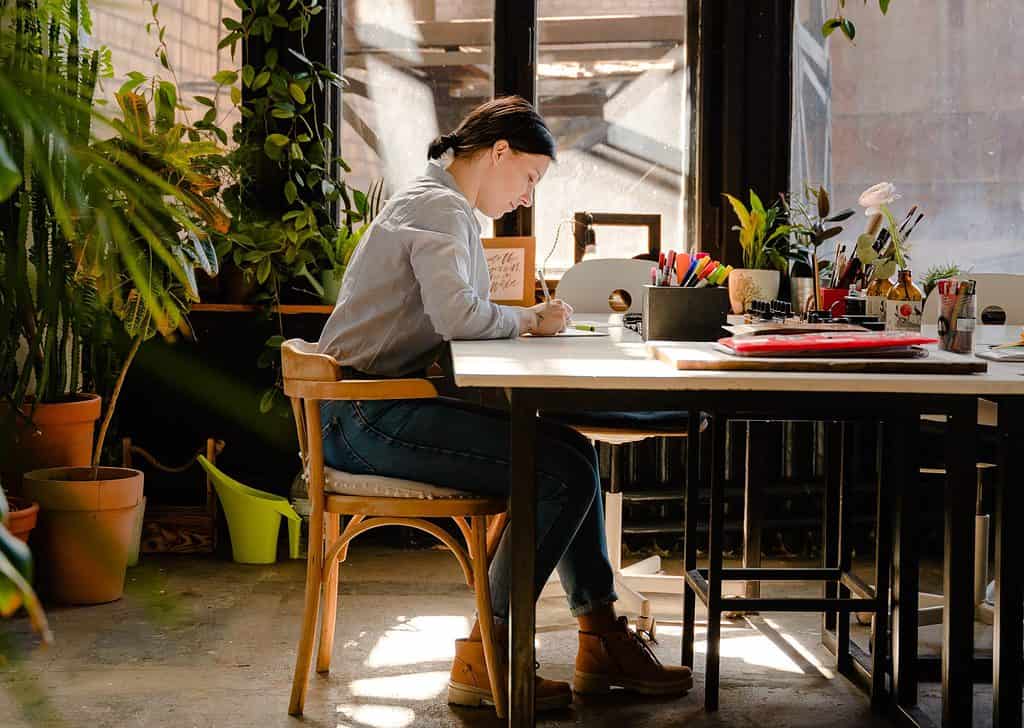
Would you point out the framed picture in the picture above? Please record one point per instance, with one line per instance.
(511, 264)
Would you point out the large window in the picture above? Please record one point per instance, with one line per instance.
(414, 69)
(930, 99)
(612, 85)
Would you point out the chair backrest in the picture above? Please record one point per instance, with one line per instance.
(588, 286)
(311, 377)
(1004, 290)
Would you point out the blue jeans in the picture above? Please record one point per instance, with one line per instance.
(457, 444)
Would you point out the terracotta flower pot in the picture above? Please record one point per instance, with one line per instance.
(62, 436)
(85, 531)
(22, 518)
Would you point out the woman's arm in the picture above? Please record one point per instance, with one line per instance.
(440, 261)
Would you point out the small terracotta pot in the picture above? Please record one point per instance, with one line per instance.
(85, 531)
(61, 434)
(22, 518)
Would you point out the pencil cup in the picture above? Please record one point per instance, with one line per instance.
(957, 322)
(672, 313)
(834, 300)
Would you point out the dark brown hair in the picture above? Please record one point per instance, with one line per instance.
(511, 118)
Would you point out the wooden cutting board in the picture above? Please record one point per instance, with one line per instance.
(702, 356)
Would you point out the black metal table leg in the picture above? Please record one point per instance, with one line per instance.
(757, 437)
(892, 444)
(691, 503)
(1006, 629)
(830, 515)
(713, 663)
(844, 661)
(958, 571)
(906, 560)
(523, 525)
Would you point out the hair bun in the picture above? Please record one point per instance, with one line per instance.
(442, 144)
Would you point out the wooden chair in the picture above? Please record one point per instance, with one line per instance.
(373, 501)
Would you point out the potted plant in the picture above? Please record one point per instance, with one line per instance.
(131, 260)
(765, 252)
(16, 577)
(336, 256)
(811, 224)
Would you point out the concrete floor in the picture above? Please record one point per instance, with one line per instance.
(201, 642)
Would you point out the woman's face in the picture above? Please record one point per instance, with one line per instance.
(509, 179)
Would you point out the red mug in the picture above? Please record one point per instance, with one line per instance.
(833, 300)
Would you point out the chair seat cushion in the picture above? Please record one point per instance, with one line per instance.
(338, 482)
(674, 421)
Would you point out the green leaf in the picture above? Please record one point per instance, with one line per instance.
(865, 249)
(755, 203)
(261, 80)
(297, 93)
(849, 29)
(883, 5)
(267, 401)
(236, 95)
(278, 140)
(225, 77)
(271, 57)
(248, 73)
(290, 191)
(274, 341)
(830, 26)
(205, 101)
(10, 175)
(740, 209)
(841, 216)
(263, 271)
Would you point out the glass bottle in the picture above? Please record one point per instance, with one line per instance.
(877, 292)
(904, 304)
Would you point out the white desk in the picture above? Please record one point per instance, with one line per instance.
(616, 373)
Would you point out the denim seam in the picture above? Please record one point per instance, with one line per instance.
(433, 448)
(355, 454)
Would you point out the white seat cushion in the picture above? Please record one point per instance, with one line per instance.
(338, 482)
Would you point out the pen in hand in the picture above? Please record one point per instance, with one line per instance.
(544, 286)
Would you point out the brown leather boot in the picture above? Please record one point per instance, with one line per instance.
(470, 684)
(622, 658)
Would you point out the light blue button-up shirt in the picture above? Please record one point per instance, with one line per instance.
(417, 279)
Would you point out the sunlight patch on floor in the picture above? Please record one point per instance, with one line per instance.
(418, 640)
(411, 686)
(376, 716)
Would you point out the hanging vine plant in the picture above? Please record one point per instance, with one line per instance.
(288, 185)
(839, 21)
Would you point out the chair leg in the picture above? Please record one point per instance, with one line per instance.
(485, 616)
(330, 612)
(314, 563)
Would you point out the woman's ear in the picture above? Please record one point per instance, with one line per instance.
(499, 150)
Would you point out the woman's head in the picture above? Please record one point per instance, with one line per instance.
(510, 143)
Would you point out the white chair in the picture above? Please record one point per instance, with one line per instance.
(1005, 291)
(591, 287)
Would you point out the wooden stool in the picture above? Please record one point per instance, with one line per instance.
(373, 501)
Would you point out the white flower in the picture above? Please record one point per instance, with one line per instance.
(884, 193)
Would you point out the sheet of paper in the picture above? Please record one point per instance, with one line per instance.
(507, 267)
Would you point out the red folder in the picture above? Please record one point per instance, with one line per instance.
(825, 344)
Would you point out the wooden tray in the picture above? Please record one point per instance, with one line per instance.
(700, 356)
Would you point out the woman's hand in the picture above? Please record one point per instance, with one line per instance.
(545, 319)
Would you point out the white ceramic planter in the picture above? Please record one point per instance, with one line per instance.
(746, 285)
